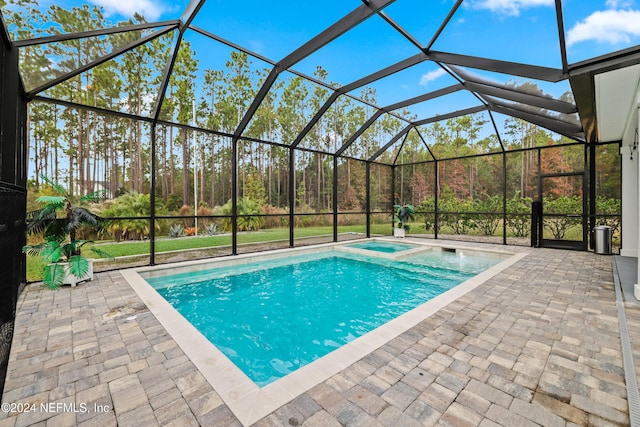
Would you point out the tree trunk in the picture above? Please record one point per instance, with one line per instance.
(81, 183)
(172, 181)
(138, 154)
(318, 195)
(185, 166)
(201, 162)
(164, 178)
(213, 171)
(132, 161)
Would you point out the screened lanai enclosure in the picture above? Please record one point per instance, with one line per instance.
(211, 128)
(204, 147)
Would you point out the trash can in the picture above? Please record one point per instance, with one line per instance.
(602, 235)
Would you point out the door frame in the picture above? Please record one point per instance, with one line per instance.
(580, 245)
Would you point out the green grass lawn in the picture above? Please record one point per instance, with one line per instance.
(163, 244)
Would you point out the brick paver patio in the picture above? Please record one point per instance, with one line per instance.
(538, 344)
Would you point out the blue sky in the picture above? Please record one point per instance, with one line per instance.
(274, 28)
(492, 28)
(513, 30)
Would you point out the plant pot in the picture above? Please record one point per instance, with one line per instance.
(70, 279)
(398, 232)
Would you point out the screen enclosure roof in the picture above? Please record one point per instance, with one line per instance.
(418, 62)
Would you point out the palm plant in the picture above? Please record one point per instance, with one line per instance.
(59, 220)
(135, 208)
(404, 214)
(249, 218)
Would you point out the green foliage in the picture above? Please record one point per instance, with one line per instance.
(488, 214)
(567, 209)
(120, 154)
(300, 194)
(455, 213)
(173, 203)
(519, 215)
(254, 189)
(59, 217)
(130, 205)
(53, 276)
(210, 230)
(176, 230)
(606, 206)
(248, 215)
(59, 233)
(429, 206)
(403, 214)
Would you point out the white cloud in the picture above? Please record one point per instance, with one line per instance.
(611, 26)
(150, 9)
(431, 76)
(619, 4)
(509, 7)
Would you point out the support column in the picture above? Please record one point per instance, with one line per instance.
(630, 194)
(636, 219)
(436, 217)
(234, 198)
(630, 154)
(393, 197)
(634, 241)
(335, 198)
(292, 196)
(152, 198)
(368, 200)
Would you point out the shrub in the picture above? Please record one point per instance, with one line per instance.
(58, 220)
(173, 203)
(606, 206)
(403, 214)
(249, 218)
(429, 206)
(130, 205)
(211, 229)
(176, 230)
(519, 215)
(345, 220)
(489, 214)
(567, 209)
(186, 210)
(457, 214)
(275, 221)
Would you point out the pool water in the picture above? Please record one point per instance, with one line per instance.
(273, 317)
(387, 247)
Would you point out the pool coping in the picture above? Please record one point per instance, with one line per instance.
(246, 400)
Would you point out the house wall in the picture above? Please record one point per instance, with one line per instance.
(630, 153)
(630, 188)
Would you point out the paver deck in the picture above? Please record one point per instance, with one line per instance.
(538, 344)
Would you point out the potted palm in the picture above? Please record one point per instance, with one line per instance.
(403, 214)
(59, 220)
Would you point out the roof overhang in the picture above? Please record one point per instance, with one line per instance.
(606, 94)
(616, 100)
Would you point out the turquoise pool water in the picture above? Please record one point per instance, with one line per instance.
(273, 317)
(387, 247)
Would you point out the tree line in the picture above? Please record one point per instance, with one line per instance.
(89, 150)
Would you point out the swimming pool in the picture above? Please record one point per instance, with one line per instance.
(380, 246)
(272, 317)
(243, 396)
